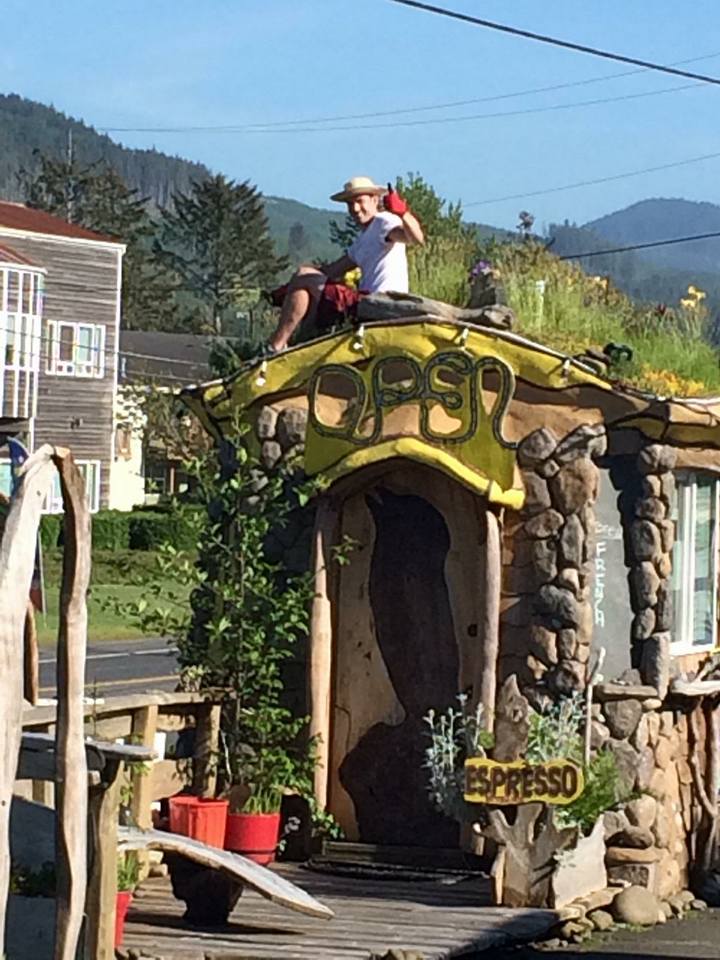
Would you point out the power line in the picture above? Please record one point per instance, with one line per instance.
(268, 126)
(554, 41)
(588, 183)
(639, 246)
(434, 121)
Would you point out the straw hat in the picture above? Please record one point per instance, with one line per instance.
(357, 187)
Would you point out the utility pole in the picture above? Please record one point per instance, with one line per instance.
(69, 186)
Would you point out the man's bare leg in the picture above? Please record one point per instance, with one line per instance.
(300, 304)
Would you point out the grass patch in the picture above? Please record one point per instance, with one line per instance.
(671, 353)
(116, 576)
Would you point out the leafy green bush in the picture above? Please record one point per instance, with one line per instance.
(455, 735)
(150, 530)
(110, 530)
(50, 530)
(603, 789)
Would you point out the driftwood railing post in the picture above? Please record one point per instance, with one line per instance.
(71, 764)
(320, 652)
(17, 558)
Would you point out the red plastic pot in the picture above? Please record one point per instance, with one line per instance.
(254, 835)
(200, 818)
(122, 903)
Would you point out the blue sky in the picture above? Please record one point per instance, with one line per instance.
(243, 62)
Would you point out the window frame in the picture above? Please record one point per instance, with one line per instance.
(53, 501)
(684, 516)
(94, 369)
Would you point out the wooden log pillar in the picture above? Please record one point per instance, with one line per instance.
(205, 755)
(489, 627)
(320, 653)
(31, 672)
(17, 559)
(102, 883)
(71, 794)
(142, 732)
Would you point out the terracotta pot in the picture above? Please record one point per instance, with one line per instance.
(200, 818)
(122, 903)
(254, 835)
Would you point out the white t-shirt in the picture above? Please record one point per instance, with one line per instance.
(383, 264)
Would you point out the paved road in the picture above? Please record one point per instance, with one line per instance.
(695, 938)
(128, 666)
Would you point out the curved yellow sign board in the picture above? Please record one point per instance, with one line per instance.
(429, 391)
(490, 781)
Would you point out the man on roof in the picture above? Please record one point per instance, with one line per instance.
(317, 297)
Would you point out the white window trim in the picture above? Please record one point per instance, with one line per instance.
(56, 367)
(683, 619)
(54, 505)
(25, 327)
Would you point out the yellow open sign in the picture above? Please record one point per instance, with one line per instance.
(491, 781)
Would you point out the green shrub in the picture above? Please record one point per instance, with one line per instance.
(149, 530)
(110, 530)
(603, 790)
(50, 530)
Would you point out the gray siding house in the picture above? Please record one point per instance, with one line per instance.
(60, 309)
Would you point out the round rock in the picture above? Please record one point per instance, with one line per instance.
(291, 427)
(637, 906)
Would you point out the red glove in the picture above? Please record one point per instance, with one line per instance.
(394, 203)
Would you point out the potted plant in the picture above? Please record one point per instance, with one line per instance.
(249, 611)
(573, 834)
(127, 880)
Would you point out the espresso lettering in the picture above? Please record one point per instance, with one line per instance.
(514, 778)
(528, 777)
(554, 782)
(483, 782)
(497, 780)
(488, 781)
(569, 781)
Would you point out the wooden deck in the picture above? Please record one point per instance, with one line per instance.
(437, 919)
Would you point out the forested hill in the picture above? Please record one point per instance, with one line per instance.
(660, 219)
(302, 232)
(26, 126)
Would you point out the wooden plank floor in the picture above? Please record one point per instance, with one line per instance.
(437, 919)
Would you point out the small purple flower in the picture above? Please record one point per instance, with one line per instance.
(480, 269)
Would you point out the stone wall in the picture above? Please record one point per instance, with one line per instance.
(652, 840)
(645, 504)
(546, 610)
(546, 630)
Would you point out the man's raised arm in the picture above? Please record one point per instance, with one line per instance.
(410, 232)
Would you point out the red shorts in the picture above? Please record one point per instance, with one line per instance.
(338, 304)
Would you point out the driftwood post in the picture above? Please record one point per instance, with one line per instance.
(490, 630)
(71, 764)
(321, 642)
(17, 558)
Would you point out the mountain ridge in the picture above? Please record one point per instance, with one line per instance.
(302, 231)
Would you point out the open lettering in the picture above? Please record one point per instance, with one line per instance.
(489, 781)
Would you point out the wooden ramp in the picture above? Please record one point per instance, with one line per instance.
(437, 919)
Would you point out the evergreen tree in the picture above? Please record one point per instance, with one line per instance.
(97, 198)
(216, 239)
(297, 241)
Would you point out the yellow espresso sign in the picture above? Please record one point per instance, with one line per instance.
(491, 781)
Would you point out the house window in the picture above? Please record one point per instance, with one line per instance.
(76, 349)
(694, 563)
(90, 469)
